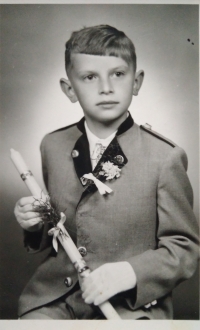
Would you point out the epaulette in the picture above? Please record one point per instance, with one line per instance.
(147, 128)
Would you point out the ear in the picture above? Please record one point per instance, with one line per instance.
(139, 77)
(68, 90)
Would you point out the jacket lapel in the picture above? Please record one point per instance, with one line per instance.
(113, 154)
(81, 156)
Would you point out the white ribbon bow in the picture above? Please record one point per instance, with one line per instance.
(102, 188)
(55, 231)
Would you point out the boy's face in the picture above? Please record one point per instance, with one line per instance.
(103, 85)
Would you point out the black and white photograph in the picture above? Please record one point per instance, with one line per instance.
(99, 113)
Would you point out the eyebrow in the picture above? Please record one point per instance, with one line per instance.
(120, 67)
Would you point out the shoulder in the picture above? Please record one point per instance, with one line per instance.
(61, 135)
(64, 129)
(158, 147)
(155, 136)
(170, 151)
(60, 141)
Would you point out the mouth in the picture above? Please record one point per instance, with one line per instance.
(107, 103)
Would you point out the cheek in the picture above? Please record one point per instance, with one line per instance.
(85, 98)
(80, 93)
(125, 91)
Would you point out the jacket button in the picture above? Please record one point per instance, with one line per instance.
(75, 153)
(119, 159)
(68, 281)
(82, 250)
(83, 181)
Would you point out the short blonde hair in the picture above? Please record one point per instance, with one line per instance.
(103, 40)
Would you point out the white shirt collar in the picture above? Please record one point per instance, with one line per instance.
(93, 139)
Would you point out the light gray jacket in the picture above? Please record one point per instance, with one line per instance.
(147, 220)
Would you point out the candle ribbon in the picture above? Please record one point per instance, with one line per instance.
(58, 230)
(102, 188)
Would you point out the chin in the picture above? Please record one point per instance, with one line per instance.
(112, 115)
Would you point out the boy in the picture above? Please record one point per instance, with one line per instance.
(141, 240)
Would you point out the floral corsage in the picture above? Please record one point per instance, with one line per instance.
(109, 170)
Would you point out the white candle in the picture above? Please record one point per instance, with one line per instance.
(26, 173)
(69, 246)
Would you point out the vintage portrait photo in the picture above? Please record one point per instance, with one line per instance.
(99, 166)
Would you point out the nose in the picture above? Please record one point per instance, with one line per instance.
(105, 86)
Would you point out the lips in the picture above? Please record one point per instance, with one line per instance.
(107, 102)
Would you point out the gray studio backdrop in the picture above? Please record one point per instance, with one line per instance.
(32, 104)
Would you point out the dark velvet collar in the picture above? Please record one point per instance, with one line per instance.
(127, 123)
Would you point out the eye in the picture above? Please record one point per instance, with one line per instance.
(119, 73)
(90, 77)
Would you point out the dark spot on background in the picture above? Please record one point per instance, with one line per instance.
(189, 41)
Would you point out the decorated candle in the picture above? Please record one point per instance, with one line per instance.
(59, 231)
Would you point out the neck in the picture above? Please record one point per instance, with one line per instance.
(104, 129)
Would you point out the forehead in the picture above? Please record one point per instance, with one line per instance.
(85, 62)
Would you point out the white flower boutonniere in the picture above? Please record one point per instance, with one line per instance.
(110, 171)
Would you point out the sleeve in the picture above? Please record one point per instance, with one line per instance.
(175, 259)
(38, 241)
(44, 162)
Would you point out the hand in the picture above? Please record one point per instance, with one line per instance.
(26, 216)
(106, 281)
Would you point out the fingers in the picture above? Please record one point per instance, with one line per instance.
(26, 216)
(90, 294)
(29, 215)
(25, 212)
(26, 200)
(95, 288)
(32, 225)
(89, 289)
(95, 295)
